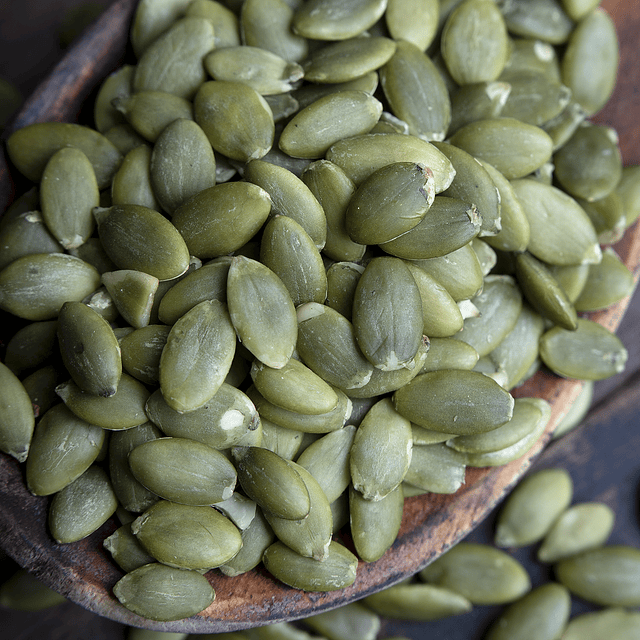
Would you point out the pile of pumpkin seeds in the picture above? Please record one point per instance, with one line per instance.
(295, 270)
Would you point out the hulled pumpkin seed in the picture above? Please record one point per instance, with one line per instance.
(159, 592)
(333, 20)
(607, 576)
(436, 468)
(480, 573)
(615, 623)
(533, 507)
(544, 20)
(125, 549)
(17, 420)
(415, 21)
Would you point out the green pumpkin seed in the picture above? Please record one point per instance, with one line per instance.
(327, 345)
(288, 250)
(123, 410)
(294, 387)
(124, 138)
(17, 421)
(614, 623)
(589, 164)
(159, 592)
(125, 549)
(68, 193)
(351, 621)
(381, 451)
(387, 314)
(374, 524)
(577, 411)
(425, 436)
(174, 61)
(544, 20)
(459, 272)
(82, 506)
(514, 148)
(480, 573)
(267, 24)
(272, 482)
(591, 77)
(333, 20)
(93, 252)
(336, 571)
(197, 356)
(514, 233)
(26, 234)
(255, 540)
(31, 147)
(308, 93)
(183, 471)
(420, 602)
(607, 283)
(40, 387)
(151, 19)
(285, 442)
(342, 114)
(132, 495)
(133, 294)
(36, 286)
(565, 124)
(348, 59)
(226, 29)
(310, 536)
(116, 85)
(448, 225)
(142, 239)
(270, 330)
(141, 351)
(533, 507)
(186, 536)
(591, 352)
(360, 156)
(583, 526)
(477, 101)
(439, 400)
(469, 59)
(204, 219)
(262, 70)
(542, 614)
(182, 164)
(390, 202)
(63, 447)
(416, 92)
(238, 134)
(564, 235)
(132, 182)
(628, 190)
(220, 423)
(304, 422)
(342, 279)
(607, 576)
(448, 353)
(607, 215)
(415, 21)
(436, 468)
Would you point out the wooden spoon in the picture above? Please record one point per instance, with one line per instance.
(84, 571)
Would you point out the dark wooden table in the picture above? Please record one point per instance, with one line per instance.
(602, 456)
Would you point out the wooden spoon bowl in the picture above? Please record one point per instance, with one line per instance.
(84, 571)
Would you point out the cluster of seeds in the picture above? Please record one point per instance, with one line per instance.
(295, 271)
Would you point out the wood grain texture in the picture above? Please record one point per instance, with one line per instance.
(85, 573)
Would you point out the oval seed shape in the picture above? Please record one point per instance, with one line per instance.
(390, 202)
(607, 576)
(331, 118)
(82, 506)
(591, 352)
(335, 20)
(541, 614)
(336, 571)
(183, 471)
(68, 193)
(159, 592)
(17, 421)
(261, 311)
(480, 573)
(89, 348)
(613, 623)
(186, 536)
(63, 447)
(533, 507)
(238, 133)
(221, 422)
(440, 401)
(582, 526)
(182, 164)
(381, 451)
(142, 239)
(272, 482)
(35, 287)
(387, 314)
